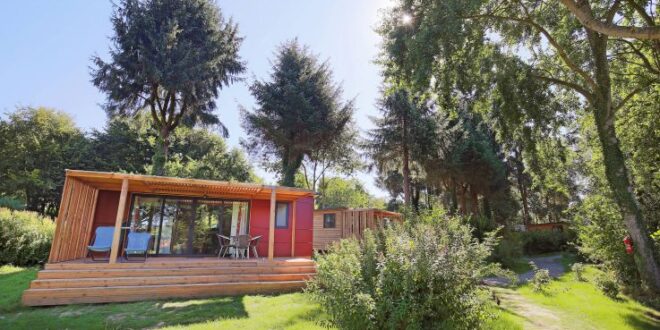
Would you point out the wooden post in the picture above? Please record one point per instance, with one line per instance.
(271, 227)
(293, 229)
(118, 221)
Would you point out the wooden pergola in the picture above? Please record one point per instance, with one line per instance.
(79, 197)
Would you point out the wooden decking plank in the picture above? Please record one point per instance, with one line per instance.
(161, 280)
(37, 297)
(53, 274)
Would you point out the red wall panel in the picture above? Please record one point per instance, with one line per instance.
(106, 209)
(304, 226)
(259, 218)
(259, 223)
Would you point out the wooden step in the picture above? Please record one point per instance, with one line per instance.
(163, 280)
(42, 297)
(186, 263)
(147, 272)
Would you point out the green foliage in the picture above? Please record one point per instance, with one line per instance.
(600, 233)
(169, 58)
(535, 72)
(578, 270)
(509, 250)
(299, 111)
(25, 237)
(202, 154)
(37, 145)
(426, 275)
(541, 278)
(544, 241)
(124, 145)
(11, 203)
(607, 284)
(339, 192)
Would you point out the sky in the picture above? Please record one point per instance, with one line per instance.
(46, 48)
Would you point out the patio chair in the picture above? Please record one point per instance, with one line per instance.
(242, 245)
(102, 243)
(138, 243)
(253, 245)
(224, 243)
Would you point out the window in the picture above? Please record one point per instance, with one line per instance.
(282, 215)
(329, 220)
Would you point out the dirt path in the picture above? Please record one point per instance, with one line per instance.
(534, 316)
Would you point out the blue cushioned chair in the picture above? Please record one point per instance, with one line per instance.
(138, 243)
(102, 242)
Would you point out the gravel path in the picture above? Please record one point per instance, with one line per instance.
(552, 263)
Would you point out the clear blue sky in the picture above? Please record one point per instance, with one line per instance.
(46, 48)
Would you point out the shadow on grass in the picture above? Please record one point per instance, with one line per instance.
(157, 313)
(642, 320)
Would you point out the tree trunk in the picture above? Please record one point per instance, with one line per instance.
(290, 166)
(406, 175)
(615, 167)
(520, 174)
(462, 209)
(475, 202)
(415, 198)
(162, 155)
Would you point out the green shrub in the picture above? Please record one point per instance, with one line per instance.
(509, 250)
(578, 271)
(424, 276)
(25, 237)
(544, 241)
(606, 283)
(11, 203)
(601, 231)
(540, 279)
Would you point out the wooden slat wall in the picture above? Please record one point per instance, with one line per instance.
(74, 221)
(324, 236)
(349, 223)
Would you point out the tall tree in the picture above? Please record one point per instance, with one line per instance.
(37, 145)
(398, 134)
(299, 111)
(170, 58)
(446, 37)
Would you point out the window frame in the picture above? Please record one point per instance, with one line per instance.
(334, 221)
(288, 209)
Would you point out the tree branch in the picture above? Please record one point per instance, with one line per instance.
(567, 84)
(609, 17)
(560, 50)
(584, 16)
(633, 93)
(640, 10)
(647, 63)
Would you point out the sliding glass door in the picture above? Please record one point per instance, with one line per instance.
(188, 226)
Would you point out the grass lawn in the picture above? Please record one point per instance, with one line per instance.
(286, 311)
(581, 305)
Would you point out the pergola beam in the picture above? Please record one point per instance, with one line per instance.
(271, 226)
(114, 253)
(293, 229)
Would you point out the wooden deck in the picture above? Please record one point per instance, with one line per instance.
(82, 281)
